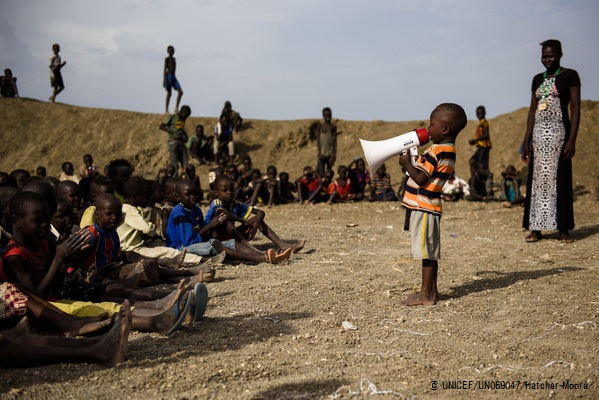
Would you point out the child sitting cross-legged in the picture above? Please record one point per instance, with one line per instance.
(188, 230)
(341, 188)
(250, 218)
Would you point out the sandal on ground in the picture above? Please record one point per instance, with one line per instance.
(533, 237)
(274, 257)
(200, 296)
(181, 314)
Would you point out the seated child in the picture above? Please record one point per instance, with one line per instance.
(20, 176)
(381, 189)
(223, 139)
(256, 190)
(341, 188)
(88, 168)
(68, 173)
(118, 172)
(510, 187)
(171, 199)
(224, 204)
(98, 186)
(61, 225)
(190, 173)
(286, 189)
(71, 192)
(359, 178)
(186, 226)
(199, 145)
(271, 184)
(41, 171)
(307, 186)
(235, 175)
(8, 84)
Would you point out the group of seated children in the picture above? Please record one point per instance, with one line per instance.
(84, 258)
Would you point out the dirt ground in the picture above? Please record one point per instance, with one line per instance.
(510, 312)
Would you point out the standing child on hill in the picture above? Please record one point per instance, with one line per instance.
(56, 65)
(169, 81)
(88, 168)
(326, 143)
(422, 198)
(8, 84)
(174, 125)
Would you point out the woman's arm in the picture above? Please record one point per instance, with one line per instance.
(570, 147)
(530, 123)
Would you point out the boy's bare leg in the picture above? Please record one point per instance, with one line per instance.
(174, 262)
(269, 233)
(69, 325)
(178, 100)
(428, 294)
(165, 302)
(168, 99)
(241, 252)
(161, 321)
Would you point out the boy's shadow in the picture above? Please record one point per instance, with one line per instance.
(502, 280)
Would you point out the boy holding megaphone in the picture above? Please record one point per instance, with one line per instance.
(422, 198)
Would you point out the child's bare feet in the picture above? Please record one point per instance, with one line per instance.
(111, 350)
(205, 272)
(133, 277)
(78, 326)
(172, 318)
(175, 262)
(298, 246)
(420, 299)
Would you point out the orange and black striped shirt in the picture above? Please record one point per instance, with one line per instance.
(438, 163)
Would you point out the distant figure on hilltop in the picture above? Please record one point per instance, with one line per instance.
(233, 116)
(326, 143)
(56, 65)
(8, 85)
(169, 81)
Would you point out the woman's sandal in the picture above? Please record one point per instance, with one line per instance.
(533, 237)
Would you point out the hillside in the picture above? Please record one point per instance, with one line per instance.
(39, 133)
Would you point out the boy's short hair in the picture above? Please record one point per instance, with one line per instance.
(185, 110)
(456, 116)
(20, 202)
(136, 185)
(221, 178)
(45, 190)
(116, 164)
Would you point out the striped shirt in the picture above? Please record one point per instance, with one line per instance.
(105, 247)
(438, 163)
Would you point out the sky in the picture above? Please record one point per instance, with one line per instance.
(287, 59)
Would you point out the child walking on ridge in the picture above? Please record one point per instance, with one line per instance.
(422, 198)
(56, 65)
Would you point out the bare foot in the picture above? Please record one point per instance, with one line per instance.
(298, 246)
(133, 277)
(22, 327)
(175, 262)
(165, 322)
(113, 347)
(202, 274)
(79, 326)
(165, 302)
(218, 259)
(419, 299)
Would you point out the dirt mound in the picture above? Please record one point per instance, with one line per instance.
(39, 133)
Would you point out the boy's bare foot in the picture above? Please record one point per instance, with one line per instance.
(205, 272)
(133, 277)
(218, 259)
(22, 327)
(298, 246)
(79, 326)
(114, 346)
(175, 262)
(419, 299)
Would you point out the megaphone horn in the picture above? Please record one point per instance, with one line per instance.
(379, 151)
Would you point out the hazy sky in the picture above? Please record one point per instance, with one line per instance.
(287, 59)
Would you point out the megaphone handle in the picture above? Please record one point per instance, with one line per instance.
(413, 155)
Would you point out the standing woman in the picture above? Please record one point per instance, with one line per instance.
(549, 145)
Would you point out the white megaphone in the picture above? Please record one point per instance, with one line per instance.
(378, 151)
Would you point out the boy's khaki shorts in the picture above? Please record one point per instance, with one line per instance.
(425, 230)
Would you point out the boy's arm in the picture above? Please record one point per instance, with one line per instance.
(418, 176)
(165, 72)
(164, 214)
(136, 221)
(333, 157)
(214, 222)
